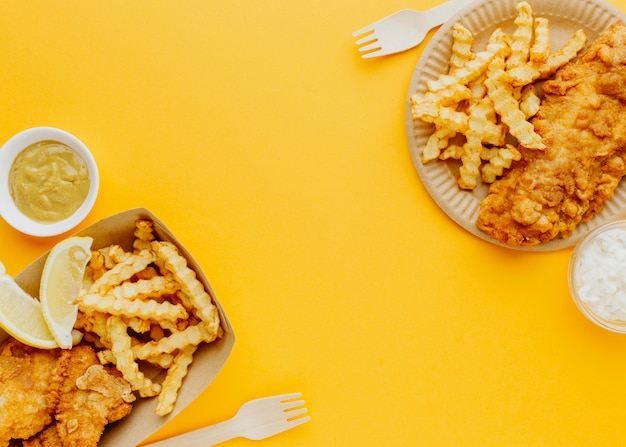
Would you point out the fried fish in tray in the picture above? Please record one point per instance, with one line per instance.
(582, 122)
(60, 398)
(29, 391)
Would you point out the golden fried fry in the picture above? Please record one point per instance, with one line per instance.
(96, 265)
(520, 46)
(436, 142)
(154, 287)
(124, 361)
(464, 74)
(508, 108)
(482, 129)
(120, 272)
(469, 170)
(173, 381)
(193, 335)
(144, 234)
(529, 102)
(145, 309)
(462, 41)
(453, 151)
(440, 116)
(188, 282)
(540, 49)
(499, 159)
(563, 55)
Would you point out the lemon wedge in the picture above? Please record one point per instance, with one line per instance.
(61, 280)
(21, 315)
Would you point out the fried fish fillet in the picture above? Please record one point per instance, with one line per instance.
(29, 390)
(90, 398)
(582, 122)
(60, 398)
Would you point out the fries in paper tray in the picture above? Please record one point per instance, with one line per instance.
(148, 308)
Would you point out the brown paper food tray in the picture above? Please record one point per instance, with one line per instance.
(208, 360)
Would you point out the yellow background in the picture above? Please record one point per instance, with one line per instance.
(279, 158)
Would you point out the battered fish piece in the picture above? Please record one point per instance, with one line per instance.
(582, 122)
(90, 398)
(60, 397)
(29, 391)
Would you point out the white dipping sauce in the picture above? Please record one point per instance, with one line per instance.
(600, 274)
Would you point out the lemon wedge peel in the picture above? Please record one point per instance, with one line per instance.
(22, 317)
(61, 280)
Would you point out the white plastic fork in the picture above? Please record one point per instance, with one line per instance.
(255, 420)
(404, 29)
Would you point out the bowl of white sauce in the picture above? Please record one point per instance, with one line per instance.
(597, 276)
(48, 181)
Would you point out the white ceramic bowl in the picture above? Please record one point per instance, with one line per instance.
(597, 276)
(9, 211)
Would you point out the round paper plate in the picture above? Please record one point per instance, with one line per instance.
(482, 18)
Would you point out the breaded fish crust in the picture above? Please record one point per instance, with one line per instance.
(59, 397)
(29, 391)
(582, 122)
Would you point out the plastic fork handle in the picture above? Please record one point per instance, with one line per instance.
(442, 13)
(202, 437)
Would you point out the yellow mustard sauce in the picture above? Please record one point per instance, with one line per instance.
(48, 181)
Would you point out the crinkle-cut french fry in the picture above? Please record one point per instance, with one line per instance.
(508, 108)
(94, 322)
(563, 55)
(162, 360)
(146, 309)
(117, 254)
(173, 380)
(122, 271)
(540, 48)
(189, 284)
(137, 324)
(512, 116)
(462, 41)
(450, 96)
(522, 36)
(96, 265)
(453, 151)
(483, 123)
(154, 287)
(193, 335)
(478, 89)
(463, 75)
(144, 234)
(469, 171)
(499, 43)
(124, 361)
(529, 101)
(520, 75)
(436, 142)
(483, 128)
(106, 356)
(113, 255)
(499, 159)
(147, 273)
(440, 116)
(90, 337)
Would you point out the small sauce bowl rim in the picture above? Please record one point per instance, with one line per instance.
(9, 211)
